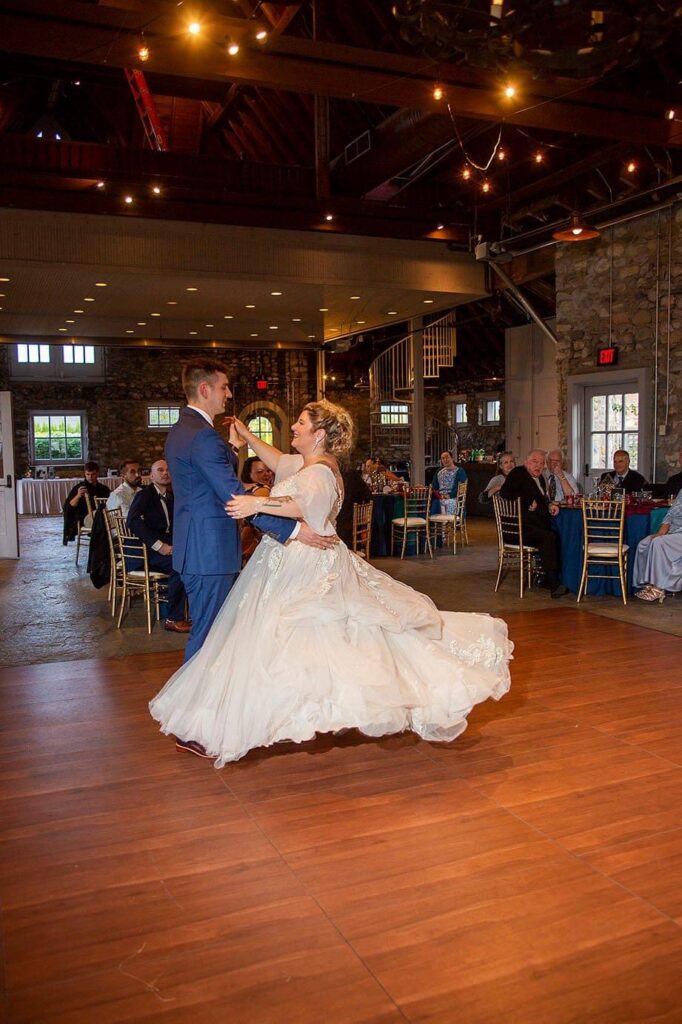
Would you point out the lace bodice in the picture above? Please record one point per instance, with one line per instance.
(314, 488)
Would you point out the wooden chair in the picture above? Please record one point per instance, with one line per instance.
(444, 522)
(362, 528)
(512, 553)
(415, 519)
(603, 532)
(85, 528)
(150, 584)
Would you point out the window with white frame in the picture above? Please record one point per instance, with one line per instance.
(33, 360)
(489, 409)
(461, 412)
(162, 417)
(394, 415)
(58, 436)
(261, 425)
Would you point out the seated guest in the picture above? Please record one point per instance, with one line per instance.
(505, 463)
(122, 496)
(151, 519)
(449, 476)
(355, 491)
(376, 475)
(75, 507)
(673, 484)
(658, 559)
(256, 477)
(527, 483)
(257, 480)
(621, 476)
(559, 482)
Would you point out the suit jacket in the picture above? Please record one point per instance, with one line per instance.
(632, 481)
(147, 519)
(206, 540)
(74, 515)
(521, 484)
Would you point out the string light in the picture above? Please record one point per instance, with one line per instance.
(143, 50)
(438, 92)
(510, 90)
(501, 154)
(261, 35)
(631, 167)
(485, 187)
(539, 157)
(232, 46)
(329, 216)
(466, 173)
(128, 200)
(156, 190)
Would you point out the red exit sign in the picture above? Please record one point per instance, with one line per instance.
(607, 356)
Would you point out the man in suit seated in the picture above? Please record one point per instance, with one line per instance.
(151, 519)
(621, 476)
(528, 483)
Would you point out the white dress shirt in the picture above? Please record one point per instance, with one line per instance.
(122, 497)
(560, 493)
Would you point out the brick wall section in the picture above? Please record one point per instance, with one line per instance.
(135, 378)
(582, 314)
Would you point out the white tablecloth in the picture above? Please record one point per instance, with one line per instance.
(47, 497)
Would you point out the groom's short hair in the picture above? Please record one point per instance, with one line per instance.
(198, 370)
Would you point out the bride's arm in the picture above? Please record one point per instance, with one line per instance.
(264, 451)
(244, 505)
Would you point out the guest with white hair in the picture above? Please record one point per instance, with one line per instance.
(559, 483)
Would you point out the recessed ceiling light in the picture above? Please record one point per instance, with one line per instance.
(141, 323)
(361, 321)
(62, 328)
(439, 227)
(193, 332)
(79, 310)
(249, 305)
(296, 320)
(427, 302)
(192, 289)
(4, 278)
(275, 293)
(88, 300)
(130, 331)
(253, 335)
(329, 216)
(155, 314)
(100, 284)
(156, 190)
(194, 28)
(128, 200)
(311, 335)
(324, 309)
(355, 296)
(100, 184)
(391, 312)
(228, 317)
(209, 325)
(69, 321)
(274, 327)
(171, 302)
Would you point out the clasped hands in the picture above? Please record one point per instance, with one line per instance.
(241, 506)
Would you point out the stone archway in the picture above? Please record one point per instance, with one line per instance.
(277, 416)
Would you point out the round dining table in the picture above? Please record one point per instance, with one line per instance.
(641, 519)
(387, 507)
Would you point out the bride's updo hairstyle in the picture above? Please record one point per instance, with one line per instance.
(336, 423)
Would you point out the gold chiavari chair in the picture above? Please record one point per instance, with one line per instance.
(85, 528)
(414, 520)
(362, 528)
(444, 522)
(512, 553)
(603, 532)
(112, 518)
(149, 583)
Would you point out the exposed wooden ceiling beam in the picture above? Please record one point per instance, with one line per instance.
(69, 31)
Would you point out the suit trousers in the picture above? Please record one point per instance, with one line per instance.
(206, 595)
(546, 540)
(176, 591)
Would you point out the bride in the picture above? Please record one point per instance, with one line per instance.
(313, 641)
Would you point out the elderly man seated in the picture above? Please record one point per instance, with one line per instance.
(621, 476)
(151, 519)
(76, 507)
(658, 559)
(527, 483)
(559, 483)
(131, 481)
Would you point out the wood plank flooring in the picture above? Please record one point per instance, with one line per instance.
(529, 873)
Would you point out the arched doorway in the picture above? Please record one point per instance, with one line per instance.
(269, 422)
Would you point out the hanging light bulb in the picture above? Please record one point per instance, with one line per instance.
(232, 46)
(261, 35)
(194, 28)
(501, 153)
(485, 187)
(438, 92)
(143, 50)
(576, 231)
(466, 173)
(510, 90)
(670, 114)
(539, 157)
(631, 167)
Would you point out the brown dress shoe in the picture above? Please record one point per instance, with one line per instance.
(174, 626)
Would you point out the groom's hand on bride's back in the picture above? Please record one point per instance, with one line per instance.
(315, 540)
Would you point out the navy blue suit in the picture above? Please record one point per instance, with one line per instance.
(206, 543)
(147, 520)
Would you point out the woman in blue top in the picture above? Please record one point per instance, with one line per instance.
(658, 560)
(449, 476)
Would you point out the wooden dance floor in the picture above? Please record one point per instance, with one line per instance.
(530, 873)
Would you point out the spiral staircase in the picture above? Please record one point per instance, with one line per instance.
(391, 382)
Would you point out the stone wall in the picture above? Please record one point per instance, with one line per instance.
(646, 252)
(117, 409)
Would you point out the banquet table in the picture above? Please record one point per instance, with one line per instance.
(47, 497)
(640, 520)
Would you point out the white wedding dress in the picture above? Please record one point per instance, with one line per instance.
(312, 641)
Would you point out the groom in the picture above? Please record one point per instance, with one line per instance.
(206, 543)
